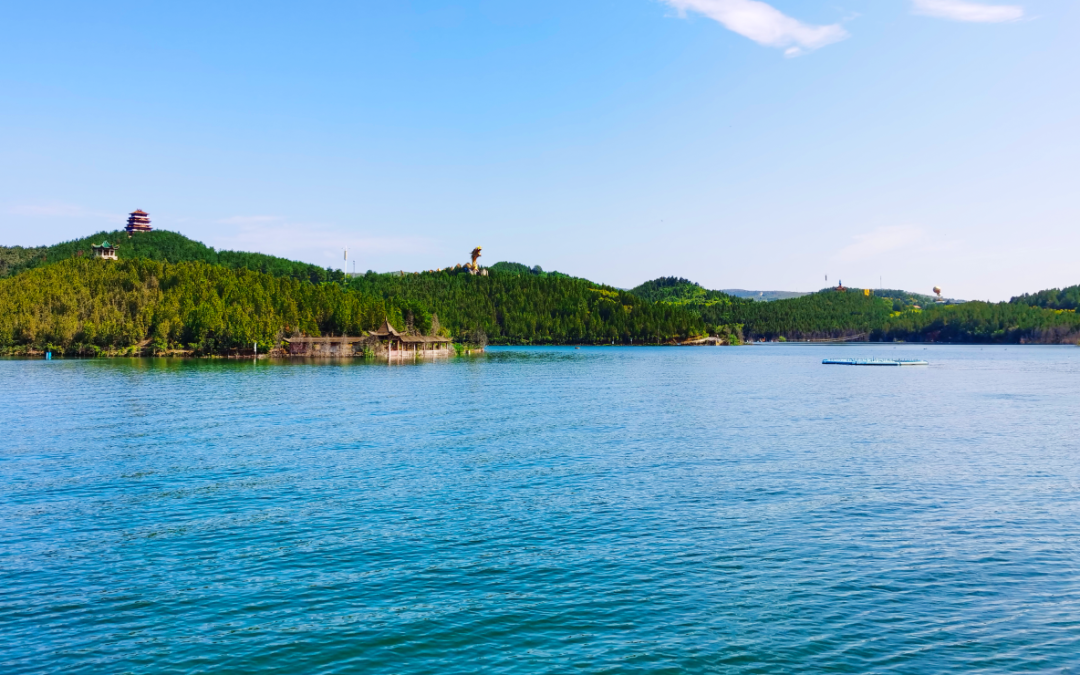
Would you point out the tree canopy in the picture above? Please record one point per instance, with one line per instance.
(86, 306)
(174, 292)
(164, 246)
(1054, 298)
(862, 314)
(513, 307)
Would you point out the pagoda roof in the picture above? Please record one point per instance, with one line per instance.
(104, 244)
(410, 339)
(385, 329)
(321, 340)
(139, 212)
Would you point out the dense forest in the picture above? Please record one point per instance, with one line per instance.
(825, 315)
(168, 292)
(1055, 298)
(164, 246)
(88, 306)
(679, 291)
(523, 270)
(13, 258)
(982, 322)
(875, 315)
(91, 306)
(828, 314)
(513, 307)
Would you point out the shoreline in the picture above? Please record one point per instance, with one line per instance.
(186, 355)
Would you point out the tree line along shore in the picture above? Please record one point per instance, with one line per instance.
(168, 294)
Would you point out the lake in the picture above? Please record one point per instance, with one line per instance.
(536, 510)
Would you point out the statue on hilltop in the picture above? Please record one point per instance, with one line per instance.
(474, 267)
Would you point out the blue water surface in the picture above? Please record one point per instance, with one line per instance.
(545, 510)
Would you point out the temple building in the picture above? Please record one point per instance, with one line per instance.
(138, 221)
(384, 342)
(106, 251)
(399, 344)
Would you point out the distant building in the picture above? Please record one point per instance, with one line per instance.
(399, 344)
(386, 341)
(106, 251)
(138, 221)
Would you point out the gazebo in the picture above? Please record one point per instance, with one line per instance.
(399, 344)
(105, 251)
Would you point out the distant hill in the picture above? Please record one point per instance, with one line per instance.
(174, 291)
(523, 270)
(763, 296)
(515, 305)
(88, 307)
(679, 291)
(160, 245)
(874, 315)
(1054, 298)
(16, 257)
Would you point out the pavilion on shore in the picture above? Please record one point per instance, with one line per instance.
(384, 341)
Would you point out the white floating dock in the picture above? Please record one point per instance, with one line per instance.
(874, 362)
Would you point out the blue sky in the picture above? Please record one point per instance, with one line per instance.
(734, 142)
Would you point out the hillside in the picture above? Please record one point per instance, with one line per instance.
(179, 293)
(762, 296)
(877, 315)
(1054, 298)
(89, 306)
(16, 257)
(513, 307)
(164, 246)
(86, 306)
(523, 270)
(679, 291)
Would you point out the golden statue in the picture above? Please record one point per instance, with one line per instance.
(474, 267)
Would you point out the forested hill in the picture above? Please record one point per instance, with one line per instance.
(523, 270)
(512, 307)
(679, 291)
(164, 246)
(854, 314)
(1054, 298)
(876, 315)
(88, 306)
(16, 257)
(178, 293)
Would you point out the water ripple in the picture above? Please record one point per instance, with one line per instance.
(544, 510)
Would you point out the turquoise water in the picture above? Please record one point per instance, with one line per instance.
(624, 510)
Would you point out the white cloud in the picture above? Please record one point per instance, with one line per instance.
(881, 240)
(962, 10)
(764, 24)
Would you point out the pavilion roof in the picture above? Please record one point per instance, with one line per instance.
(385, 329)
(412, 339)
(321, 340)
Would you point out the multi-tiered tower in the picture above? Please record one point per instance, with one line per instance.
(138, 221)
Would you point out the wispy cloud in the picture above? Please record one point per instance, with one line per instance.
(881, 240)
(764, 24)
(962, 10)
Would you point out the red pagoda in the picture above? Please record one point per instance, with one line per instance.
(138, 221)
